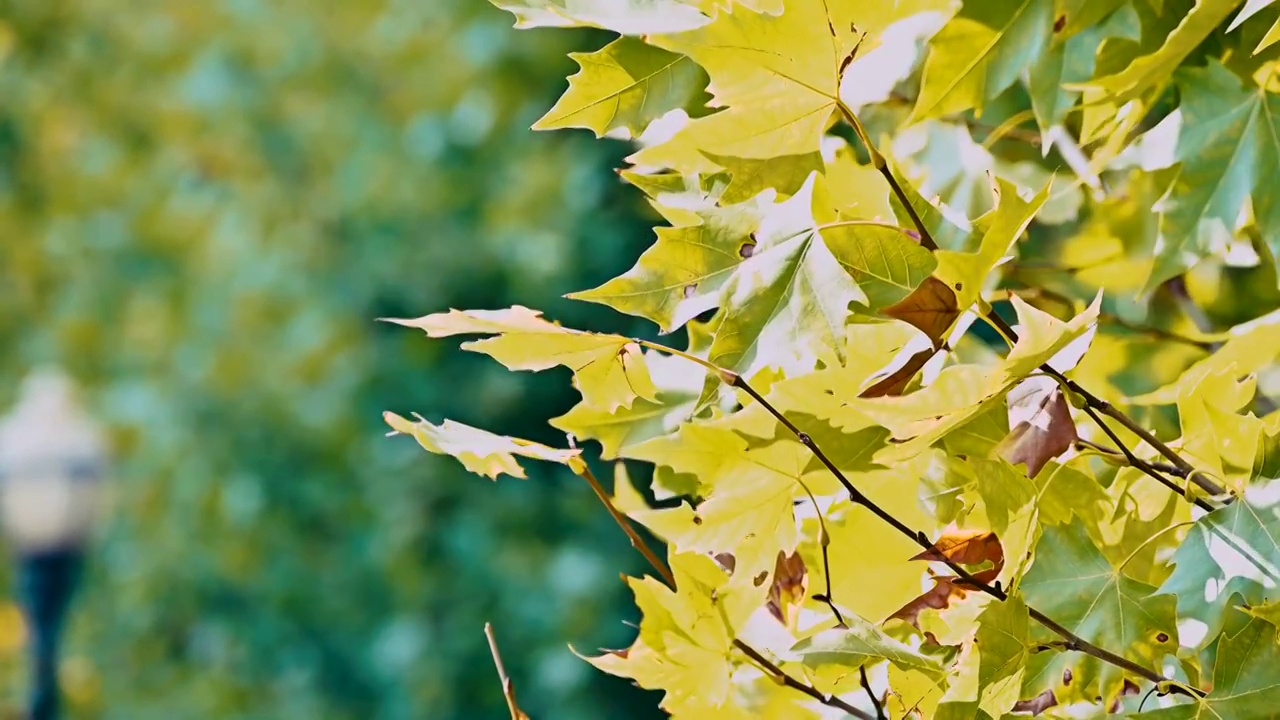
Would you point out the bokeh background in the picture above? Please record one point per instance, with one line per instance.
(204, 207)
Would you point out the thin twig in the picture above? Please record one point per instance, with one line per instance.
(1116, 454)
(636, 541)
(1184, 468)
(882, 166)
(1139, 463)
(508, 689)
(823, 540)
(667, 577)
(777, 674)
(1073, 642)
(875, 701)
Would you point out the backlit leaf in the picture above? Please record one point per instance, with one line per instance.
(625, 84)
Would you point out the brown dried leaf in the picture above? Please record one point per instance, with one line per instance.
(1041, 423)
(945, 589)
(895, 383)
(968, 548)
(789, 589)
(931, 308)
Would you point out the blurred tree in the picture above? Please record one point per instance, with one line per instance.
(206, 206)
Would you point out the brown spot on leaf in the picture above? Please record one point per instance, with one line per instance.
(1037, 704)
(726, 561)
(747, 250)
(697, 520)
(1162, 637)
(758, 580)
(1067, 677)
(946, 589)
(1060, 23)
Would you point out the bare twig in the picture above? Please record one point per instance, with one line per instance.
(508, 690)
(875, 701)
(777, 674)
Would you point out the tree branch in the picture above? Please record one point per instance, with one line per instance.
(777, 674)
(875, 701)
(508, 690)
(661, 568)
(1183, 468)
(1073, 642)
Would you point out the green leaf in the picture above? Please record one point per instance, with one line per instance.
(625, 84)
(776, 76)
(625, 17)
(1082, 14)
(991, 667)
(624, 427)
(1232, 550)
(479, 451)
(967, 273)
(980, 53)
(1229, 150)
(1070, 62)
(1009, 499)
(683, 273)
(686, 634)
(1244, 678)
(1074, 584)
(752, 176)
(886, 263)
(785, 306)
(1151, 70)
(748, 490)
(858, 644)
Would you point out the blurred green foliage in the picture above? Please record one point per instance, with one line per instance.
(206, 205)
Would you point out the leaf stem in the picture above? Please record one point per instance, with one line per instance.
(636, 541)
(882, 166)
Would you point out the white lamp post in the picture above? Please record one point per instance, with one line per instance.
(52, 460)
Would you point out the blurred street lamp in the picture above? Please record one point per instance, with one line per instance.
(52, 461)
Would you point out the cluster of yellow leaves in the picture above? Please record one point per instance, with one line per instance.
(858, 309)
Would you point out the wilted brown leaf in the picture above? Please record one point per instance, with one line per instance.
(1041, 424)
(931, 308)
(968, 548)
(789, 589)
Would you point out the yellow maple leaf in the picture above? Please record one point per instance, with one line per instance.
(609, 370)
(479, 451)
(686, 634)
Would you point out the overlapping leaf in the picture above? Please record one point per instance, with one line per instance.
(1074, 584)
(626, 84)
(1229, 552)
(981, 52)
